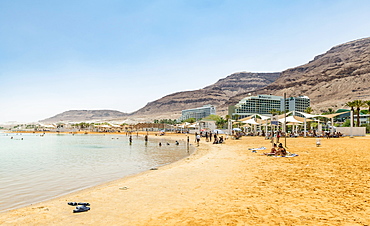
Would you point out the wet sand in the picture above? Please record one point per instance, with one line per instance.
(227, 184)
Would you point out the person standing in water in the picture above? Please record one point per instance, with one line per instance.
(146, 139)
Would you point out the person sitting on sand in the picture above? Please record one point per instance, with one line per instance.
(281, 150)
(221, 140)
(273, 150)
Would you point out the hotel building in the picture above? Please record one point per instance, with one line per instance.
(264, 104)
(198, 113)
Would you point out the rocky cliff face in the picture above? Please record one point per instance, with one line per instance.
(85, 116)
(216, 94)
(340, 75)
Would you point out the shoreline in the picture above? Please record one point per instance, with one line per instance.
(191, 150)
(228, 184)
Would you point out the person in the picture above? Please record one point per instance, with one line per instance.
(160, 144)
(281, 150)
(221, 139)
(130, 139)
(198, 139)
(215, 139)
(278, 136)
(273, 150)
(177, 143)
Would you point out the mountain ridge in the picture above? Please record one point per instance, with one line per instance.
(331, 79)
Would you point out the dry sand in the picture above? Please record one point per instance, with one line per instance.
(229, 185)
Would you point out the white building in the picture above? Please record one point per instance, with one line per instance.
(198, 113)
(264, 104)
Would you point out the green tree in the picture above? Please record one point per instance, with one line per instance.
(227, 117)
(213, 117)
(275, 112)
(190, 120)
(346, 123)
(236, 117)
(351, 104)
(309, 110)
(358, 104)
(220, 122)
(367, 104)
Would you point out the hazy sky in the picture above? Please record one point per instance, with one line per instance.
(118, 54)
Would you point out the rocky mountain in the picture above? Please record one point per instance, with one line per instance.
(331, 79)
(85, 116)
(216, 94)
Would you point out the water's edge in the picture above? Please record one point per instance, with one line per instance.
(191, 151)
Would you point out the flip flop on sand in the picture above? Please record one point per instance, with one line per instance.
(84, 203)
(81, 209)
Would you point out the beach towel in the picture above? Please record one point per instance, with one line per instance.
(287, 156)
(256, 149)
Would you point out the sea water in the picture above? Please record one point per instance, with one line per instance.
(36, 167)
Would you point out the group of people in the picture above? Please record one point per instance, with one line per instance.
(216, 139)
(277, 150)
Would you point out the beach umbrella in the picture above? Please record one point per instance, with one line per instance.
(218, 131)
(237, 129)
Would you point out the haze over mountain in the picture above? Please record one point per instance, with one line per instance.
(85, 116)
(331, 79)
(171, 105)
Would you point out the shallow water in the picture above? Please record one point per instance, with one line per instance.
(34, 168)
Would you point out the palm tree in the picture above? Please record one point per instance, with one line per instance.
(358, 104)
(367, 104)
(309, 110)
(220, 122)
(236, 117)
(351, 104)
(331, 111)
(274, 112)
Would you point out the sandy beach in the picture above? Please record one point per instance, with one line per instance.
(227, 184)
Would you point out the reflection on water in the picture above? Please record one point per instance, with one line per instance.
(37, 168)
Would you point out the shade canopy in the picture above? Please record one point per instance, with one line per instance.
(289, 119)
(251, 121)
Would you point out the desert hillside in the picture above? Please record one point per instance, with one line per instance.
(85, 115)
(217, 94)
(331, 79)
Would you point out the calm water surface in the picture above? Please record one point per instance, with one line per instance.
(34, 168)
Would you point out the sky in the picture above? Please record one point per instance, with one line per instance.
(65, 55)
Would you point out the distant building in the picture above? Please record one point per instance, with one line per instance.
(264, 104)
(198, 113)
